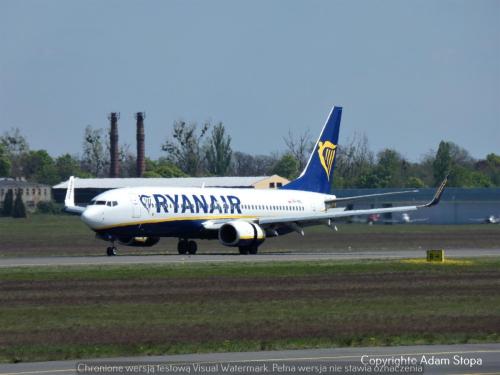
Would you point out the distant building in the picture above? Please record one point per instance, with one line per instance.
(457, 206)
(32, 192)
(88, 188)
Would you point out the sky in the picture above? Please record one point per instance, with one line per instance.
(407, 73)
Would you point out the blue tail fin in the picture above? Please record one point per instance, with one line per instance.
(318, 173)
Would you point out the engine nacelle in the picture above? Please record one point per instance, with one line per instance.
(241, 233)
(139, 241)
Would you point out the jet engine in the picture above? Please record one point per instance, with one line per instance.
(139, 241)
(241, 233)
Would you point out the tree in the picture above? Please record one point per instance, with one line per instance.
(94, 160)
(15, 146)
(299, 147)
(19, 210)
(414, 182)
(39, 166)
(354, 163)
(242, 164)
(8, 203)
(390, 169)
(464, 177)
(5, 163)
(424, 170)
(162, 168)
(248, 165)
(67, 165)
(460, 156)
(128, 161)
(286, 167)
(218, 151)
(442, 163)
(184, 148)
(490, 167)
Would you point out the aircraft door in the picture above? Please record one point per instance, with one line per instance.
(136, 208)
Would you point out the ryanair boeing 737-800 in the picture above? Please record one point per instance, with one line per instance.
(241, 218)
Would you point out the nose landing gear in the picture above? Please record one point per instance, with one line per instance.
(111, 251)
(187, 246)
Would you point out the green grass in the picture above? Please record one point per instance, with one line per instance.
(247, 269)
(447, 303)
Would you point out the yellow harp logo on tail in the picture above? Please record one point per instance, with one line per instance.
(326, 151)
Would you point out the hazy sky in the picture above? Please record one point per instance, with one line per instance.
(408, 73)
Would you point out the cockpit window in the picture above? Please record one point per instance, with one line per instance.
(103, 203)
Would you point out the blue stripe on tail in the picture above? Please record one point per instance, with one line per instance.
(318, 173)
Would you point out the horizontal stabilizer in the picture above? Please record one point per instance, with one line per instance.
(69, 201)
(343, 199)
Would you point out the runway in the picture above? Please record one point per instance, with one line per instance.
(225, 258)
(431, 359)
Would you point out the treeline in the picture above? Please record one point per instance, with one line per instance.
(193, 150)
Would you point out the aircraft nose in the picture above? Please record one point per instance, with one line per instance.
(90, 217)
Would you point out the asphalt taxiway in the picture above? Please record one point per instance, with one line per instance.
(431, 359)
(224, 258)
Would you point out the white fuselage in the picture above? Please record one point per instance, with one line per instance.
(178, 212)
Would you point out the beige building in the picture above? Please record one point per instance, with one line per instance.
(270, 182)
(32, 192)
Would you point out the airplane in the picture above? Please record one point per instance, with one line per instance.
(488, 220)
(240, 218)
(405, 219)
(370, 219)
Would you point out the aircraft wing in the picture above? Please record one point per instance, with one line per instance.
(331, 214)
(335, 213)
(343, 199)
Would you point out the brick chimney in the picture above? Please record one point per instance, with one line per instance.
(141, 162)
(114, 169)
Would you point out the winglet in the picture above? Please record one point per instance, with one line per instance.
(438, 194)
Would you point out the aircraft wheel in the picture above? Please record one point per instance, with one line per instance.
(111, 251)
(243, 250)
(182, 247)
(192, 247)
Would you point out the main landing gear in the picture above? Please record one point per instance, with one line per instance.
(251, 249)
(111, 251)
(187, 247)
